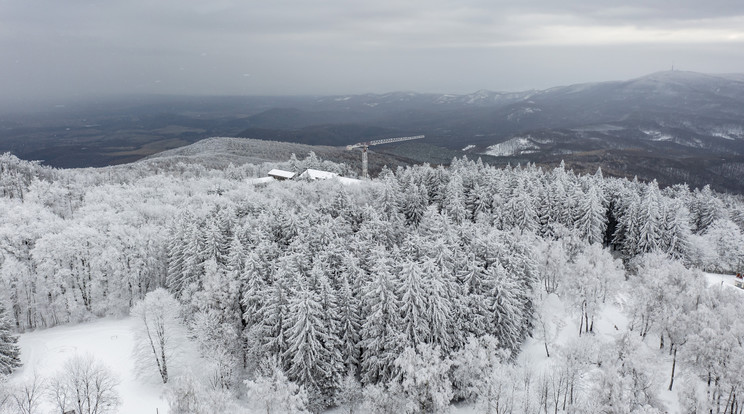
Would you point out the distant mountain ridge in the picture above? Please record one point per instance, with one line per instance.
(673, 126)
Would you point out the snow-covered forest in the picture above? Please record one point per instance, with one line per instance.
(411, 292)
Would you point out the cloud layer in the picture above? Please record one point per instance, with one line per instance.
(73, 48)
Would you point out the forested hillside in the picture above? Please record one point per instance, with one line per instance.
(407, 292)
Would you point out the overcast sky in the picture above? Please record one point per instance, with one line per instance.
(75, 48)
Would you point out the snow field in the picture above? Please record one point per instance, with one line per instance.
(110, 341)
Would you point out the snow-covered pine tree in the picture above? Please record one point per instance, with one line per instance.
(389, 195)
(477, 201)
(650, 224)
(273, 315)
(413, 306)
(312, 359)
(453, 203)
(190, 264)
(415, 202)
(507, 308)
(381, 326)
(676, 235)
(707, 208)
(10, 353)
(350, 325)
(214, 245)
(236, 255)
(591, 215)
(475, 286)
(439, 308)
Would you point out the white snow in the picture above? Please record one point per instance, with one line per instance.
(657, 135)
(110, 341)
(511, 147)
(599, 128)
(312, 174)
(260, 180)
(730, 132)
(348, 181)
(723, 280)
(468, 147)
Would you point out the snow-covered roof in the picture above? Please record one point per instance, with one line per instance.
(285, 175)
(317, 174)
(348, 181)
(311, 174)
(260, 180)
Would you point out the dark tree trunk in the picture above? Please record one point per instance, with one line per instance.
(674, 365)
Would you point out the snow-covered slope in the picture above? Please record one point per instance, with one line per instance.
(514, 146)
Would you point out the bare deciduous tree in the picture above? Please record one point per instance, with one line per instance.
(85, 386)
(27, 396)
(156, 341)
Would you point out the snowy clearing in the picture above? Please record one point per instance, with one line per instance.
(724, 280)
(110, 341)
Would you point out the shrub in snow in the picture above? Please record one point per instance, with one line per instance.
(349, 395)
(727, 241)
(624, 383)
(273, 393)
(387, 399)
(423, 374)
(473, 363)
(188, 396)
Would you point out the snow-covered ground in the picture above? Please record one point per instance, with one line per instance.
(44, 353)
(110, 341)
(514, 146)
(724, 280)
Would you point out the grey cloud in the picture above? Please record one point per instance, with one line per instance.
(51, 48)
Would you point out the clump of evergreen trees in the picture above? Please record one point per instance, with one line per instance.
(335, 284)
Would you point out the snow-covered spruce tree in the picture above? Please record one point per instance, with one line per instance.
(349, 326)
(381, 336)
(454, 203)
(677, 232)
(273, 314)
(413, 307)
(441, 312)
(475, 286)
(477, 201)
(312, 358)
(507, 306)
(650, 221)
(706, 209)
(414, 203)
(591, 215)
(9, 351)
(185, 273)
